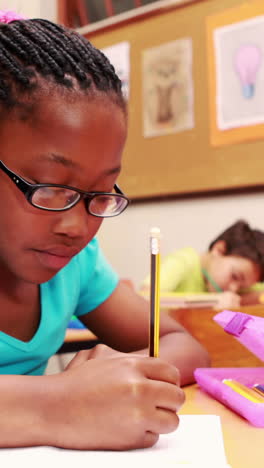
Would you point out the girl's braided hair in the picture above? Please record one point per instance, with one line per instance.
(36, 48)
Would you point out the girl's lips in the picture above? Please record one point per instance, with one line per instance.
(60, 250)
(51, 260)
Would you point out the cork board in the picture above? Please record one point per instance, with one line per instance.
(183, 162)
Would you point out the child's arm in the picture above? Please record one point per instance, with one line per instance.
(25, 402)
(252, 298)
(254, 295)
(122, 322)
(228, 300)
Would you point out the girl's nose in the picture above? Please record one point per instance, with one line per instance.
(234, 287)
(75, 222)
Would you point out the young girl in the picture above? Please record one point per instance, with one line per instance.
(63, 128)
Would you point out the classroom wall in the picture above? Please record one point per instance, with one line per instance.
(190, 222)
(32, 8)
(193, 221)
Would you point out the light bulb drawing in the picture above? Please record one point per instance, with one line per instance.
(247, 61)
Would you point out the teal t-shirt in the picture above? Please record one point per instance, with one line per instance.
(81, 286)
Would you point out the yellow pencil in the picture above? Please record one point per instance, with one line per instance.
(246, 392)
(154, 292)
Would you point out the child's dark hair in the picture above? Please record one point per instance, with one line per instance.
(36, 48)
(242, 241)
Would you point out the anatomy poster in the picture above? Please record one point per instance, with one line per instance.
(236, 73)
(168, 88)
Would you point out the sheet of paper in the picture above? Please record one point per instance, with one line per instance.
(186, 300)
(197, 443)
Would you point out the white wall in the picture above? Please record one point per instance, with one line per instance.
(32, 8)
(190, 222)
(194, 221)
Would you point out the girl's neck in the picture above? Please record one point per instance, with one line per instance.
(15, 289)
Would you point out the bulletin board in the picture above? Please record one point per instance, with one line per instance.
(184, 162)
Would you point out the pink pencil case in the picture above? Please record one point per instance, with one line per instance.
(249, 330)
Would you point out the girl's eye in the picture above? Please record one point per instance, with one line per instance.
(235, 277)
(32, 181)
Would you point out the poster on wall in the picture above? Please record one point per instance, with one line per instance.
(239, 50)
(236, 74)
(167, 88)
(119, 56)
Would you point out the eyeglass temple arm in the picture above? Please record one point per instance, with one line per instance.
(21, 184)
(118, 190)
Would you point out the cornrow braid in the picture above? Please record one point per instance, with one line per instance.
(38, 48)
(103, 70)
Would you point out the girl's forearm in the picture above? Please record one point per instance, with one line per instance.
(26, 403)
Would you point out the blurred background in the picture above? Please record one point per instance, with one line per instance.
(184, 221)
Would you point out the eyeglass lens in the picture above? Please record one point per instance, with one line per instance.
(56, 198)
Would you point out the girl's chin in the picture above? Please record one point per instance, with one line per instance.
(37, 276)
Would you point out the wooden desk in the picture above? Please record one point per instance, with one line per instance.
(243, 442)
(224, 349)
(78, 339)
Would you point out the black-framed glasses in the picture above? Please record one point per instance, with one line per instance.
(56, 197)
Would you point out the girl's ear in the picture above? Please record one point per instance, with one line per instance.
(219, 248)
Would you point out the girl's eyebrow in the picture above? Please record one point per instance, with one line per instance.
(67, 162)
(59, 159)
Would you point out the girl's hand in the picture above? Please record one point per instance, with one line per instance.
(97, 352)
(228, 300)
(110, 400)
